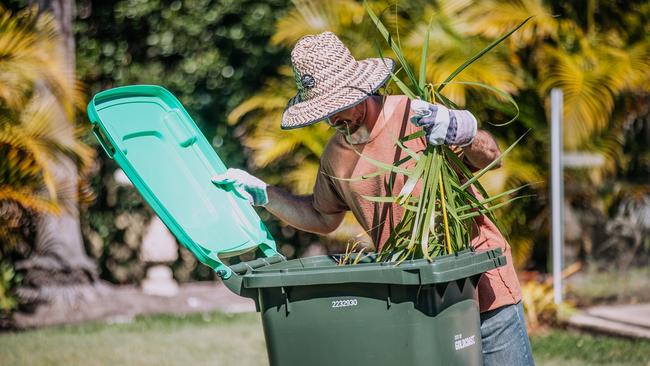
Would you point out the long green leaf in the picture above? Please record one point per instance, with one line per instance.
(395, 47)
(423, 60)
(411, 208)
(382, 165)
(444, 100)
(429, 155)
(427, 228)
(402, 161)
(496, 90)
(464, 170)
(468, 196)
(481, 172)
(360, 177)
(387, 199)
(457, 224)
(480, 54)
(427, 202)
(400, 84)
(493, 198)
(381, 199)
(492, 208)
(413, 136)
(408, 151)
(413, 179)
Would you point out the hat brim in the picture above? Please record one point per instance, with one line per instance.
(371, 74)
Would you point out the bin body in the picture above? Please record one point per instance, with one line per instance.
(374, 324)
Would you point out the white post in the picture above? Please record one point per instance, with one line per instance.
(557, 192)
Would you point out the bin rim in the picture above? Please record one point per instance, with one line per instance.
(306, 272)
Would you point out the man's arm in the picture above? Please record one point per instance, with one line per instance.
(299, 212)
(482, 151)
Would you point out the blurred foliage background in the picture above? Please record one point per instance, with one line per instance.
(210, 54)
(228, 62)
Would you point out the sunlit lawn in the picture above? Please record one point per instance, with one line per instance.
(627, 286)
(219, 339)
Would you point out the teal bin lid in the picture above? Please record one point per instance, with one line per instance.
(157, 144)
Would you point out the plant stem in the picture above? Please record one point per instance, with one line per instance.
(444, 214)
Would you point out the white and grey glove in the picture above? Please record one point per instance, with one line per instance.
(247, 186)
(443, 125)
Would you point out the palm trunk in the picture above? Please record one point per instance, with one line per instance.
(58, 266)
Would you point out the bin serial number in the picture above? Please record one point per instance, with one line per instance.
(344, 303)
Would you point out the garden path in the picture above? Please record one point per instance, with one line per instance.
(116, 304)
(623, 320)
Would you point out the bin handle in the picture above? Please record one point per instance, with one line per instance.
(245, 267)
(101, 137)
(232, 276)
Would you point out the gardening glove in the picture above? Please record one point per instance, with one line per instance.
(245, 185)
(443, 125)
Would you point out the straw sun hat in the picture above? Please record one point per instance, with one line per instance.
(329, 79)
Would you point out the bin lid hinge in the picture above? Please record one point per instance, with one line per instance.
(417, 297)
(287, 302)
(389, 302)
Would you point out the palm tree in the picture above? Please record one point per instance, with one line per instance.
(596, 69)
(593, 67)
(41, 149)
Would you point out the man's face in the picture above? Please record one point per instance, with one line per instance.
(348, 121)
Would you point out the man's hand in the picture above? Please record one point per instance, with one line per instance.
(246, 185)
(443, 125)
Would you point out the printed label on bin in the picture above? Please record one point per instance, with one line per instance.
(336, 304)
(461, 343)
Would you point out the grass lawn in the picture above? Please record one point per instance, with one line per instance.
(592, 287)
(219, 339)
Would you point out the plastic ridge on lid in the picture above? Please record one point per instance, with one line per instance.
(169, 161)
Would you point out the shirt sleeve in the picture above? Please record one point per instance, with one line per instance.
(327, 199)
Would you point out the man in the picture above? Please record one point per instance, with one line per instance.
(335, 87)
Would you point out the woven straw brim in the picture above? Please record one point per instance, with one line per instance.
(371, 75)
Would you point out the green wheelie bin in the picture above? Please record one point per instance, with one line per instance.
(314, 312)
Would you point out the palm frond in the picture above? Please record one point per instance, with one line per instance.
(38, 98)
(29, 53)
(303, 177)
(492, 18)
(27, 199)
(588, 87)
(313, 17)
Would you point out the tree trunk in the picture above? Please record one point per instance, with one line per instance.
(58, 268)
